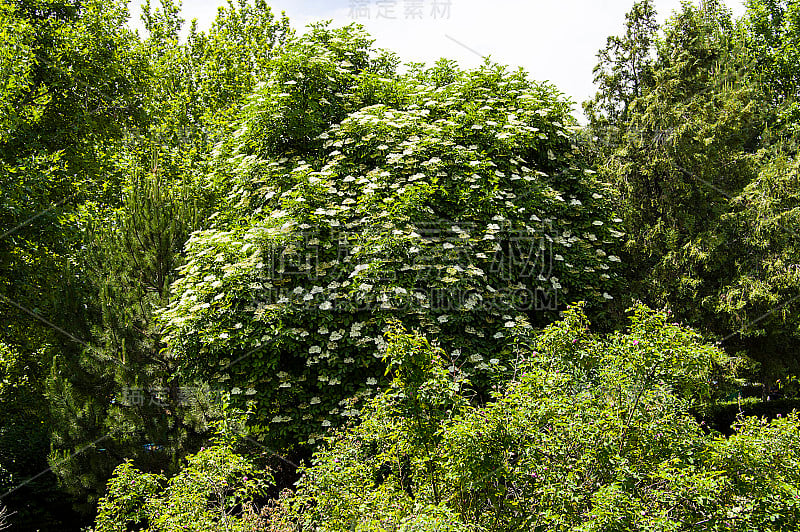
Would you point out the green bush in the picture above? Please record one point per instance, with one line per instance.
(213, 491)
(594, 433)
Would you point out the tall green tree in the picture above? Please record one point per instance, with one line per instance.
(199, 82)
(122, 388)
(70, 89)
(756, 304)
(705, 236)
(623, 73)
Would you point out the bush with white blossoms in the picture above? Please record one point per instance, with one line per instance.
(351, 195)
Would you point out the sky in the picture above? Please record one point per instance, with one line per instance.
(553, 40)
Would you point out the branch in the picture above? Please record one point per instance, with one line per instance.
(635, 406)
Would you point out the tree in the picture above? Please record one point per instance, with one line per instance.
(701, 144)
(754, 303)
(34, 499)
(353, 195)
(691, 133)
(235, 56)
(69, 91)
(197, 85)
(773, 30)
(623, 74)
(121, 389)
(773, 35)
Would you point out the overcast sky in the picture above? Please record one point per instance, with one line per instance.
(555, 40)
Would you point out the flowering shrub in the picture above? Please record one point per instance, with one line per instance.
(371, 476)
(594, 434)
(353, 195)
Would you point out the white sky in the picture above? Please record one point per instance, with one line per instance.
(554, 40)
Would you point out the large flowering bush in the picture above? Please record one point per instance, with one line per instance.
(352, 195)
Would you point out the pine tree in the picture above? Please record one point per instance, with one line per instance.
(121, 391)
(623, 74)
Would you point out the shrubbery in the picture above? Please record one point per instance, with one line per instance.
(594, 434)
(213, 491)
(591, 433)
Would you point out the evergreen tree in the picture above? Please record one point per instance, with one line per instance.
(623, 74)
(122, 391)
(705, 235)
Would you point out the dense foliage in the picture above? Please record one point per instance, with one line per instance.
(703, 158)
(393, 268)
(121, 389)
(594, 433)
(450, 200)
(591, 433)
(102, 148)
(211, 492)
